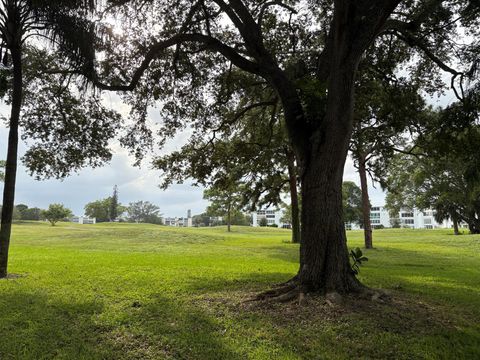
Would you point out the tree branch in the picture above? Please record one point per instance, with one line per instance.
(210, 44)
(272, 3)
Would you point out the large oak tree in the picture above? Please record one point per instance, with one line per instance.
(184, 51)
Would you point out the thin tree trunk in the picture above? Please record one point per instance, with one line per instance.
(292, 175)
(11, 163)
(455, 225)
(229, 218)
(367, 226)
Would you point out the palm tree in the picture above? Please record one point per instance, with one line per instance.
(65, 24)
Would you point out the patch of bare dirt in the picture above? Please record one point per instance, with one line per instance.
(392, 312)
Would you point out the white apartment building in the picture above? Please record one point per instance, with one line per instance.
(272, 216)
(407, 218)
(379, 216)
(179, 221)
(83, 220)
(416, 219)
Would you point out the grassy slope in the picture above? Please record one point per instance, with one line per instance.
(149, 292)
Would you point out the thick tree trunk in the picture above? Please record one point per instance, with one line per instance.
(321, 144)
(325, 264)
(324, 259)
(324, 256)
(473, 223)
(367, 226)
(292, 175)
(474, 227)
(11, 163)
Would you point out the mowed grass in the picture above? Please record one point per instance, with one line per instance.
(128, 291)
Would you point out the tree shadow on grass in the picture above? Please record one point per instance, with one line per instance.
(207, 324)
(171, 328)
(242, 283)
(33, 326)
(36, 326)
(401, 328)
(406, 327)
(288, 253)
(29, 222)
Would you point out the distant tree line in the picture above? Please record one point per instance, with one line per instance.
(54, 213)
(23, 212)
(110, 209)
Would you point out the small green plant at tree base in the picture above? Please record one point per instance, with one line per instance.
(358, 259)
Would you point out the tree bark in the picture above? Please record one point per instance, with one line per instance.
(455, 225)
(11, 163)
(367, 226)
(324, 257)
(292, 176)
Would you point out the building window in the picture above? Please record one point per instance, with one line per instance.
(374, 215)
(407, 215)
(375, 208)
(427, 221)
(409, 221)
(375, 221)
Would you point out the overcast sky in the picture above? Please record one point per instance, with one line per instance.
(133, 183)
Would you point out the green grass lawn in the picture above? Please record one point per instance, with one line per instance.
(127, 291)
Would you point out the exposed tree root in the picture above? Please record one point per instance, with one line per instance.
(293, 291)
(293, 281)
(292, 295)
(286, 292)
(276, 292)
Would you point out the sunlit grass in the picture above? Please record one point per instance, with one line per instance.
(129, 291)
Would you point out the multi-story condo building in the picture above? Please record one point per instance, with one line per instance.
(407, 218)
(379, 217)
(179, 221)
(273, 217)
(83, 220)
